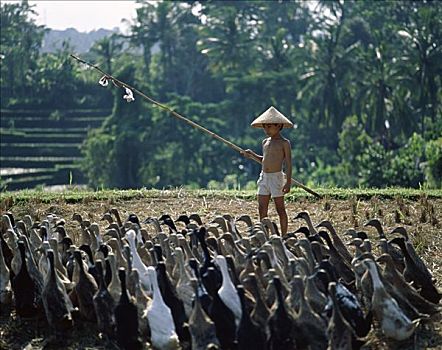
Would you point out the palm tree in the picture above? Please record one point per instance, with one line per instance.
(107, 49)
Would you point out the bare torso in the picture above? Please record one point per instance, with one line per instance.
(273, 154)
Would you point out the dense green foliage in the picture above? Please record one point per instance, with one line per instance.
(360, 80)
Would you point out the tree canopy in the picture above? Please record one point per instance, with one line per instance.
(360, 80)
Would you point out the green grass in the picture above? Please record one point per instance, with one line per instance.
(77, 195)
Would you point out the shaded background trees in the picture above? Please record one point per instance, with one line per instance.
(362, 83)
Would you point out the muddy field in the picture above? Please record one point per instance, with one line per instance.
(422, 217)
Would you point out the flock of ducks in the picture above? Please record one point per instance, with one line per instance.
(185, 284)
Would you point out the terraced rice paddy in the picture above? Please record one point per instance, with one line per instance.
(41, 148)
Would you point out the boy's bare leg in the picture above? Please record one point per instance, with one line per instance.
(263, 205)
(280, 209)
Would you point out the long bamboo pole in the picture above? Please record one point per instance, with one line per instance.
(122, 84)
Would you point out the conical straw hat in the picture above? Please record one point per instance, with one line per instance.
(272, 116)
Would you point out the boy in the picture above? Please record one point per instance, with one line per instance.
(276, 150)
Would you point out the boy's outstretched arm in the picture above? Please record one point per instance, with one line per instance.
(248, 153)
(288, 166)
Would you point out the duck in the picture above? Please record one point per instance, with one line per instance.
(232, 227)
(116, 213)
(186, 245)
(394, 323)
(154, 222)
(270, 227)
(391, 274)
(336, 259)
(107, 217)
(85, 289)
(248, 268)
(8, 223)
(120, 260)
(340, 333)
(201, 327)
(201, 292)
(249, 334)
(33, 270)
(5, 283)
(267, 250)
(90, 262)
(318, 251)
(159, 315)
(24, 289)
(85, 236)
(231, 267)
(311, 324)
(261, 311)
(165, 247)
(236, 250)
(281, 322)
(356, 234)
(104, 305)
(56, 302)
(58, 264)
(137, 263)
(227, 292)
(246, 243)
(207, 258)
(304, 215)
(247, 220)
(197, 218)
(283, 254)
(348, 303)
(186, 220)
(130, 283)
(126, 318)
(221, 315)
(305, 246)
(316, 299)
(175, 304)
(413, 254)
(96, 238)
(142, 300)
(6, 250)
(222, 223)
(413, 273)
(167, 220)
(114, 231)
(184, 289)
(337, 242)
(397, 255)
(11, 242)
(21, 228)
(114, 286)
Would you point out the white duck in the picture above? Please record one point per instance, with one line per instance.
(163, 335)
(227, 292)
(394, 323)
(137, 263)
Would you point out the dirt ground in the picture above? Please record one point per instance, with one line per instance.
(422, 218)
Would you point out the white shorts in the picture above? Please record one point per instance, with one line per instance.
(271, 183)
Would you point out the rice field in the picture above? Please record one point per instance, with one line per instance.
(420, 211)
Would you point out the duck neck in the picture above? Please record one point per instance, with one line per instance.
(377, 284)
(156, 289)
(227, 282)
(52, 267)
